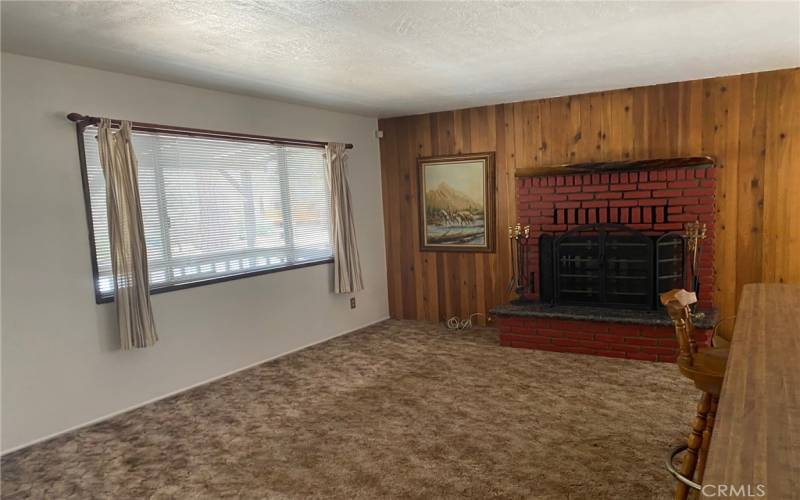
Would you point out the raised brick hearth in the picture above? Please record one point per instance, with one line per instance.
(619, 340)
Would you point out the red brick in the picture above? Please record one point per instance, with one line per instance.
(623, 187)
(524, 329)
(594, 204)
(593, 344)
(582, 196)
(608, 196)
(652, 185)
(542, 204)
(683, 217)
(699, 192)
(568, 204)
(652, 202)
(554, 227)
(700, 173)
(554, 197)
(700, 209)
(668, 227)
(683, 201)
(658, 332)
(607, 338)
(623, 203)
(581, 326)
(568, 189)
(667, 193)
(568, 334)
(683, 184)
(595, 189)
(667, 359)
(624, 347)
(636, 195)
(627, 329)
(675, 210)
(640, 341)
(564, 342)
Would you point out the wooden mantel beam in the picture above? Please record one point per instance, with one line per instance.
(615, 166)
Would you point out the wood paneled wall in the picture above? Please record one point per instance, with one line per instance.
(749, 123)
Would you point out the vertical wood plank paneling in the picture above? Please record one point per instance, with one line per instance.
(389, 172)
(429, 270)
(750, 196)
(749, 123)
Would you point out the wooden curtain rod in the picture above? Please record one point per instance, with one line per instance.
(83, 121)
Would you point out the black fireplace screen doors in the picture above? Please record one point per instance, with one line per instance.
(609, 265)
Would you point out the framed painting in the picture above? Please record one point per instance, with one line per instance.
(457, 196)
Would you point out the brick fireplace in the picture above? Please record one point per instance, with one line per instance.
(648, 203)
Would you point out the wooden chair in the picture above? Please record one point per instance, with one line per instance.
(705, 366)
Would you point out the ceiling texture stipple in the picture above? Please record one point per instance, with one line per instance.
(398, 58)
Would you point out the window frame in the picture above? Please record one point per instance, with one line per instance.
(81, 126)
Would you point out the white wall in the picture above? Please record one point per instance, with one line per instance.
(59, 365)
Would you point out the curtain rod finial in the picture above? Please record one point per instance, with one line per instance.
(77, 118)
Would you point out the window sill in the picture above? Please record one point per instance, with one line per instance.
(105, 299)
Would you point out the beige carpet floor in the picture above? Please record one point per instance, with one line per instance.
(397, 410)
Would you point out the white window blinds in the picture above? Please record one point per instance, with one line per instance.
(218, 208)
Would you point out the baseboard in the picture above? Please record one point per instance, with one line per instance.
(173, 393)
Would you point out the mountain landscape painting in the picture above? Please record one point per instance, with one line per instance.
(455, 208)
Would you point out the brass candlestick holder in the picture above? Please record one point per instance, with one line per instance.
(518, 236)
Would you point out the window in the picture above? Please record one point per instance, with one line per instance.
(215, 209)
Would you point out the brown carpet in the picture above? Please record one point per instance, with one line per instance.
(397, 410)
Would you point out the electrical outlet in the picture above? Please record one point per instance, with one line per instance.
(352, 302)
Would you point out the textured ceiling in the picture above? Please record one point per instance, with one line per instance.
(396, 58)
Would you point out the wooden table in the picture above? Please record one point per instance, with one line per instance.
(757, 433)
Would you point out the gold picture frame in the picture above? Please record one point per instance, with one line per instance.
(457, 203)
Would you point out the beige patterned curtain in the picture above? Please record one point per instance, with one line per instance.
(346, 265)
(126, 232)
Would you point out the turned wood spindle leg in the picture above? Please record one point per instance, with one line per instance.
(694, 442)
(701, 462)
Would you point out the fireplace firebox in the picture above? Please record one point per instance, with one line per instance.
(609, 265)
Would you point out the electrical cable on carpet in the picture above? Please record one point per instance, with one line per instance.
(456, 323)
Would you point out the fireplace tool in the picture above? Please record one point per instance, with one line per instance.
(695, 234)
(518, 237)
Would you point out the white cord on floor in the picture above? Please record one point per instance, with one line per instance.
(456, 323)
